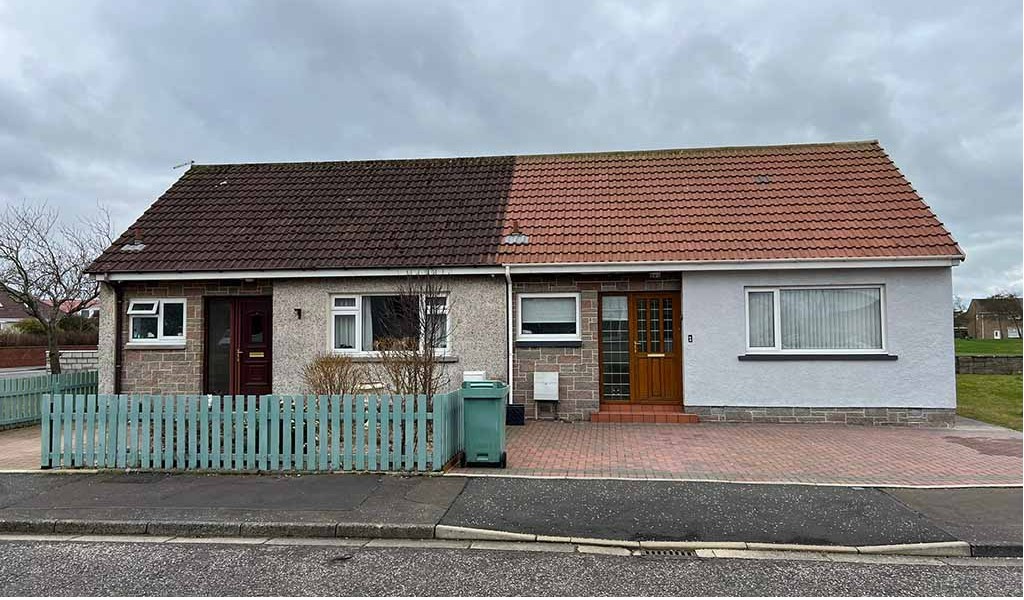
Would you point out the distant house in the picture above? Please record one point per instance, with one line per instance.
(92, 307)
(11, 311)
(804, 283)
(993, 318)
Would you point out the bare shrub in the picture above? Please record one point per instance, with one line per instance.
(411, 359)
(333, 374)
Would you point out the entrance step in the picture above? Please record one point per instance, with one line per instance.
(642, 413)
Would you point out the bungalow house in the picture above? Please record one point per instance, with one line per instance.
(993, 318)
(11, 311)
(800, 283)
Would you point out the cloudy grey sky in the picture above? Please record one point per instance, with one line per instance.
(99, 99)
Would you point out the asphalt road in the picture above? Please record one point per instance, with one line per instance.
(658, 510)
(76, 568)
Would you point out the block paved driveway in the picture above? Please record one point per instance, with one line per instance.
(971, 454)
(763, 453)
(19, 448)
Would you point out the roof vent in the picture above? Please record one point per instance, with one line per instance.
(516, 237)
(225, 182)
(136, 244)
(762, 179)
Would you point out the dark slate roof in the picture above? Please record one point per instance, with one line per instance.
(807, 201)
(393, 213)
(10, 309)
(996, 305)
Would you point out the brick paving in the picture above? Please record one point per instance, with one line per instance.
(823, 454)
(873, 456)
(19, 448)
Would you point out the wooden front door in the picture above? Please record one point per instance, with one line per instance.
(238, 346)
(656, 374)
(252, 348)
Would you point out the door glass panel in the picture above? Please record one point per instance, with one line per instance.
(666, 325)
(641, 325)
(256, 328)
(218, 347)
(655, 311)
(615, 347)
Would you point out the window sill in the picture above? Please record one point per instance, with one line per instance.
(154, 346)
(793, 356)
(549, 343)
(377, 357)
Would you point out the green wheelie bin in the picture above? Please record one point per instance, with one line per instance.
(483, 419)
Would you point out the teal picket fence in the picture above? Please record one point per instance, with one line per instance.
(20, 396)
(251, 433)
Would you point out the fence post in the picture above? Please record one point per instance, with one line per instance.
(44, 409)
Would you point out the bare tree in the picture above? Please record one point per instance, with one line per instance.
(419, 332)
(959, 305)
(1006, 307)
(43, 262)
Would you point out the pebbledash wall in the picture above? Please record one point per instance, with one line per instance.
(918, 388)
(577, 364)
(476, 315)
(477, 341)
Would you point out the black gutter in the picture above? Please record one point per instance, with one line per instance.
(118, 326)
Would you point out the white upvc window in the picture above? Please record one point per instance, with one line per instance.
(548, 317)
(824, 320)
(158, 320)
(361, 323)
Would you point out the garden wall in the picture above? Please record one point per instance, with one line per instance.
(989, 365)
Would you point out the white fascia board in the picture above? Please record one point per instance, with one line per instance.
(540, 269)
(744, 265)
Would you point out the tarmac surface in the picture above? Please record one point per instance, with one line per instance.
(394, 506)
(70, 568)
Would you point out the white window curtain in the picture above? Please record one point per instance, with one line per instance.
(345, 331)
(830, 319)
(367, 314)
(549, 310)
(548, 316)
(761, 307)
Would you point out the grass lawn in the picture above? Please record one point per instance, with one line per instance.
(989, 347)
(994, 399)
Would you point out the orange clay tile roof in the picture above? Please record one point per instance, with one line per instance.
(810, 201)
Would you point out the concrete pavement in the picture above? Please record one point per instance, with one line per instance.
(377, 505)
(392, 506)
(109, 568)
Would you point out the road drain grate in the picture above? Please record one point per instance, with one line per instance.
(666, 553)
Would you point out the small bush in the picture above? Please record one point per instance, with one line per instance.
(79, 323)
(30, 327)
(332, 374)
(64, 338)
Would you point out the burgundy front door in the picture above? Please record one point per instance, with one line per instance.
(252, 346)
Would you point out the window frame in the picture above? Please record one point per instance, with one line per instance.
(777, 320)
(357, 311)
(547, 337)
(157, 312)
